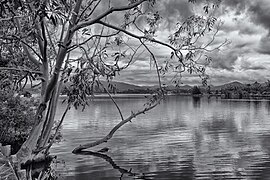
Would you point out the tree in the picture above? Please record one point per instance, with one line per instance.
(196, 90)
(49, 32)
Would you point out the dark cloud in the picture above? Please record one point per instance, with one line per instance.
(258, 10)
(260, 13)
(264, 45)
(174, 11)
(178, 7)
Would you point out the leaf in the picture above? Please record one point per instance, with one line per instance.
(172, 54)
(206, 9)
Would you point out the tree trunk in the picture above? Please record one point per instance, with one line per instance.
(26, 151)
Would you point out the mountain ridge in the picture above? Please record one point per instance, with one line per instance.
(123, 86)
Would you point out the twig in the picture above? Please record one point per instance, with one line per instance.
(116, 105)
(57, 128)
(155, 61)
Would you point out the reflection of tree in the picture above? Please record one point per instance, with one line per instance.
(196, 101)
(114, 165)
(196, 91)
(268, 106)
(257, 106)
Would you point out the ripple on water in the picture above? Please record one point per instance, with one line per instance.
(180, 139)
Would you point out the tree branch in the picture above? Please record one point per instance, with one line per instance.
(91, 37)
(136, 36)
(116, 105)
(115, 128)
(109, 11)
(155, 61)
(29, 55)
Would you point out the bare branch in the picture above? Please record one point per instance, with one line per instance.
(132, 57)
(96, 5)
(91, 37)
(85, 9)
(155, 61)
(116, 105)
(115, 128)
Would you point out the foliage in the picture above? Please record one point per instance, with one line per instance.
(17, 118)
(196, 90)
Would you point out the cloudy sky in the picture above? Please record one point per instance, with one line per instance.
(246, 24)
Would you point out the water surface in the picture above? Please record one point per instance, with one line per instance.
(183, 138)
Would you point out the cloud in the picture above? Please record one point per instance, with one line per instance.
(247, 65)
(218, 77)
(239, 6)
(224, 60)
(174, 11)
(260, 13)
(239, 47)
(138, 76)
(264, 45)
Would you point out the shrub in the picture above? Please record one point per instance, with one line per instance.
(16, 118)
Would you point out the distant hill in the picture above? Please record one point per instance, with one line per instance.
(132, 88)
(121, 86)
(228, 85)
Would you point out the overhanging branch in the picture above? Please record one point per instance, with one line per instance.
(109, 11)
(136, 36)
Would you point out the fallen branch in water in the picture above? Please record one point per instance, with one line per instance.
(116, 127)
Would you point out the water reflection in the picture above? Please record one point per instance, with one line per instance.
(196, 101)
(107, 158)
(183, 138)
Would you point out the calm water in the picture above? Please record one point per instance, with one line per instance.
(183, 138)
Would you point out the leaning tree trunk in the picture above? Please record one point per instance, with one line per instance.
(26, 151)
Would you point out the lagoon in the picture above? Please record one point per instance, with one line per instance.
(182, 138)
